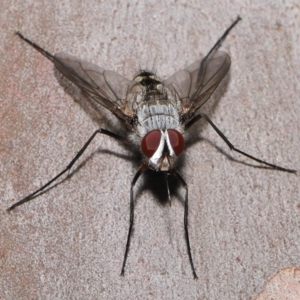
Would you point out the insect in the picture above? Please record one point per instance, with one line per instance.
(156, 114)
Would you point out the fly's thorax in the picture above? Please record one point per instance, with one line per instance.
(155, 106)
(160, 114)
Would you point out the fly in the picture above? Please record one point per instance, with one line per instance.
(156, 113)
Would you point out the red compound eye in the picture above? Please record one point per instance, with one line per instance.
(150, 142)
(176, 140)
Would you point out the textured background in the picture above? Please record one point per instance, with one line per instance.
(244, 220)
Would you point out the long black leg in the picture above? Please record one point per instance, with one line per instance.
(30, 196)
(203, 64)
(186, 211)
(37, 47)
(141, 170)
(168, 188)
(198, 117)
(222, 38)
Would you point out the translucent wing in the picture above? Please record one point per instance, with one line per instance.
(196, 83)
(106, 87)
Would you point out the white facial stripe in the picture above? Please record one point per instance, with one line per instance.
(158, 153)
(172, 153)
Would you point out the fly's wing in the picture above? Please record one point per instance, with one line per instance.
(196, 83)
(105, 87)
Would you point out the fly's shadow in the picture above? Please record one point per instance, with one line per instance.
(162, 186)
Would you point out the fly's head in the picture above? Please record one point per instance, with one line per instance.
(162, 147)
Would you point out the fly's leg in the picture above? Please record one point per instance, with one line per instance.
(204, 64)
(37, 47)
(141, 170)
(186, 210)
(168, 188)
(198, 117)
(222, 38)
(32, 195)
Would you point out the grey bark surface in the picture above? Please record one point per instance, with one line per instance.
(243, 220)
